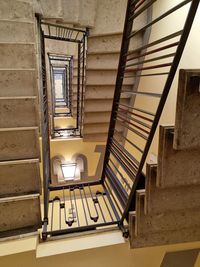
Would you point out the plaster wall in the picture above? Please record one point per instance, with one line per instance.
(190, 60)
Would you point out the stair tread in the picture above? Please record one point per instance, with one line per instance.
(18, 129)
(20, 161)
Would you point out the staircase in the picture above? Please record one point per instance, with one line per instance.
(167, 211)
(19, 132)
(101, 71)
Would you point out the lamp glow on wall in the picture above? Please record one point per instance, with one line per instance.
(69, 171)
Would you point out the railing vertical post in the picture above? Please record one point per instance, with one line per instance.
(82, 85)
(45, 131)
(119, 81)
(78, 86)
(70, 84)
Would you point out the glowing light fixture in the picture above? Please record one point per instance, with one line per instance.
(69, 170)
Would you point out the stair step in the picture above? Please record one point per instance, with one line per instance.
(17, 82)
(103, 60)
(104, 77)
(96, 137)
(19, 143)
(104, 42)
(100, 105)
(19, 215)
(15, 56)
(176, 167)
(187, 126)
(96, 117)
(103, 92)
(162, 238)
(161, 221)
(168, 199)
(19, 177)
(110, 42)
(18, 112)
(19, 32)
(16, 10)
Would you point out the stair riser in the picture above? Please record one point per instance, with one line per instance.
(17, 83)
(176, 167)
(22, 109)
(169, 199)
(97, 106)
(18, 32)
(97, 137)
(110, 43)
(97, 117)
(19, 178)
(170, 221)
(103, 92)
(104, 77)
(98, 128)
(187, 130)
(103, 61)
(19, 144)
(18, 215)
(15, 10)
(162, 238)
(23, 56)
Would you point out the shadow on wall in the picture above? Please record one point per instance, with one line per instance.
(82, 165)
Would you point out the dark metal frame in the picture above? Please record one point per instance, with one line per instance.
(141, 122)
(62, 33)
(122, 170)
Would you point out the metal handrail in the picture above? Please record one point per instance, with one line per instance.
(139, 123)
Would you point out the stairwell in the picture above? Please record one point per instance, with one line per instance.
(101, 72)
(167, 211)
(19, 123)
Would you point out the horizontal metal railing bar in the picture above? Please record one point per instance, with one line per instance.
(133, 124)
(79, 229)
(130, 142)
(72, 186)
(161, 40)
(135, 2)
(131, 129)
(125, 159)
(61, 26)
(109, 194)
(124, 113)
(135, 120)
(169, 12)
(150, 67)
(115, 188)
(140, 11)
(116, 185)
(146, 75)
(64, 129)
(143, 93)
(59, 59)
(136, 115)
(139, 4)
(153, 51)
(122, 164)
(118, 171)
(138, 109)
(61, 39)
(110, 214)
(125, 151)
(151, 60)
